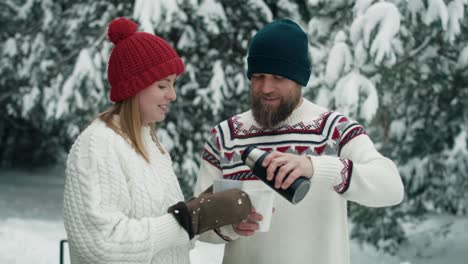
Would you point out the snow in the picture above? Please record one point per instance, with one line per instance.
(187, 40)
(9, 47)
(189, 165)
(212, 13)
(457, 155)
(240, 83)
(360, 54)
(25, 9)
(165, 138)
(50, 93)
(47, 6)
(361, 6)
(84, 67)
(46, 64)
(355, 31)
(455, 13)
(29, 101)
(436, 237)
(318, 27)
(318, 54)
(314, 2)
(217, 87)
(436, 10)
(463, 58)
(450, 16)
(398, 128)
(385, 18)
(262, 9)
(290, 8)
(348, 93)
(150, 13)
(28, 61)
(323, 97)
(29, 240)
(332, 3)
(339, 61)
(416, 7)
(414, 168)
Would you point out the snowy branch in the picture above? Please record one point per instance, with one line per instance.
(8, 5)
(413, 53)
(93, 46)
(5, 97)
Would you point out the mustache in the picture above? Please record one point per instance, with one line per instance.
(268, 116)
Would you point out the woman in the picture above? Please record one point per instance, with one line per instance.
(122, 201)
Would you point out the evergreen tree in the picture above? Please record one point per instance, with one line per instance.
(397, 67)
(52, 75)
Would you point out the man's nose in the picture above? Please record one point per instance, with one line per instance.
(267, 86)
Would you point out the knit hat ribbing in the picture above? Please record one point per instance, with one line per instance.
(137, 60)
(280, 48)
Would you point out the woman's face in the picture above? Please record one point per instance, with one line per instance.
(154, 101)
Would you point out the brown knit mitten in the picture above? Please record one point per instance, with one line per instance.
(209, 211)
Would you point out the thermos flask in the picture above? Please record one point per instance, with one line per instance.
(253, 158)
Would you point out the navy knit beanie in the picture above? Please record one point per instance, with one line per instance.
(280, 48)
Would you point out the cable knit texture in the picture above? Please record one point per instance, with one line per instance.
(347, 167)
(115, 202)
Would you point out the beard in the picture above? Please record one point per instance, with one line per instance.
(268, 116)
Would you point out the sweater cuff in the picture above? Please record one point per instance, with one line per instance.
(335, 169)
(227, 233)
(168, 232)
(182, 214)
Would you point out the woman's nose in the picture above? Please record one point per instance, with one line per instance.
(171, 95)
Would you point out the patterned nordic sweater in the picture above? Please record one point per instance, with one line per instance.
(115, 202)
(346, 167)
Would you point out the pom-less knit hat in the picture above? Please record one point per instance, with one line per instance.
(280, 48)
(137, 60)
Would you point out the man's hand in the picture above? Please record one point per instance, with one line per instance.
(249, 226)
(289, 166)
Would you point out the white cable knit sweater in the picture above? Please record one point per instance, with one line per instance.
(115, 202)
(347, 167)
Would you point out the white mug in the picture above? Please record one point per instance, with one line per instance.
(220, 185)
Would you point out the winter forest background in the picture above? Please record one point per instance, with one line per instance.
(400, 67)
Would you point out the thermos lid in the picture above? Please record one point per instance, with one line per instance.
(250, 155)
(246, 152)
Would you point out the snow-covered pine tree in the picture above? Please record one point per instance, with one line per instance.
(400, 68)
(51, 75)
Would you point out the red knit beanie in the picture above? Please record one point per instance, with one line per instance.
(137, 60)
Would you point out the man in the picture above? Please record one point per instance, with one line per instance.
(305, 139)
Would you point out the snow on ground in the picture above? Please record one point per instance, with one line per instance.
(31, 228)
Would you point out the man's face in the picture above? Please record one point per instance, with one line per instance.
(273, 98)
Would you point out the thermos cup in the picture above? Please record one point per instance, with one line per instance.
(253, 158)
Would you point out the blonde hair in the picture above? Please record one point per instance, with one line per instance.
(130, 125)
